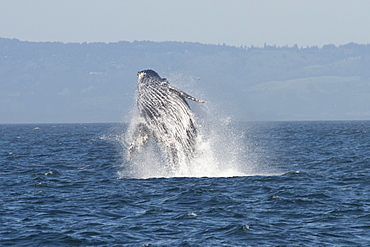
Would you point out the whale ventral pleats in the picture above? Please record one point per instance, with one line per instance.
(164, 116)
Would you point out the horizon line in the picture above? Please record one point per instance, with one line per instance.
(266, 45)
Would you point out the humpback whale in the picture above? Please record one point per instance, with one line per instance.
(164, 115)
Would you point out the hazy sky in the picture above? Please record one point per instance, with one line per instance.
(233, 22)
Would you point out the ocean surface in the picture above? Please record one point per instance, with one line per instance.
(271, 184)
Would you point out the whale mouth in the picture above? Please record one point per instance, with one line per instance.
(140, 75)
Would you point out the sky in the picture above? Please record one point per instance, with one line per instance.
(230, 22)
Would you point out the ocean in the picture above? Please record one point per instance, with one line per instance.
(258, 184)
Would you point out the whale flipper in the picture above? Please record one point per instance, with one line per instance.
(185, 94)
(140, 138)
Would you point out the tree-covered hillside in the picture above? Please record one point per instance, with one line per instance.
(95, 82)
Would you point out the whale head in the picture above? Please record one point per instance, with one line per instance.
(148, 76)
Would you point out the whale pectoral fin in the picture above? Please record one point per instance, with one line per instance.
(140, 138)
(185, 95)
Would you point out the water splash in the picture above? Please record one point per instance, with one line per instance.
(221, 150)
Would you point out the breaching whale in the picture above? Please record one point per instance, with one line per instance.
(165, 116)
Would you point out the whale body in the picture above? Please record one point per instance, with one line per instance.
(165, 116)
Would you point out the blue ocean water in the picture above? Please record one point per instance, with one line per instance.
(69, 185)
